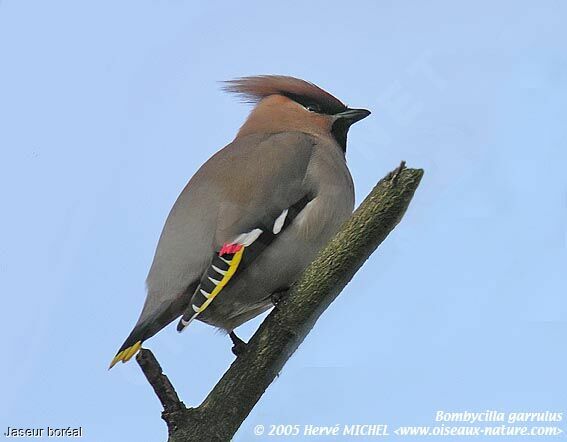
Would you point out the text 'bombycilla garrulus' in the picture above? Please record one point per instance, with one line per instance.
(255, 214)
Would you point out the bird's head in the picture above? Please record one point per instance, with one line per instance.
(290, 104)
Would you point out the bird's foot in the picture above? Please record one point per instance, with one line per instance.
(278, 296)
(239, 346)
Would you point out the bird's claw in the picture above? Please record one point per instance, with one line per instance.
(239, 346)
(278, 296)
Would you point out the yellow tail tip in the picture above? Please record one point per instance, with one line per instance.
(126, 354)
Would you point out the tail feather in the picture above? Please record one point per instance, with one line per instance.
(126, 354)
(150, 326)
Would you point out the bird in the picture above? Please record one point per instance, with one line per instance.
(254, 215)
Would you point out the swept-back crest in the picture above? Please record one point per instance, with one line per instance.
(253, 89)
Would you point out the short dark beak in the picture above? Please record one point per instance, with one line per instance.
(353, 115)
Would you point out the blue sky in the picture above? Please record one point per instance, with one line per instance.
(108, 108)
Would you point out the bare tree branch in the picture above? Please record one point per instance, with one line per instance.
(231, 400)
(160, 382)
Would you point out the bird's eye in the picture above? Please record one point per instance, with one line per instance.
(313, 108)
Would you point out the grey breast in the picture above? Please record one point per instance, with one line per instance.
(282, 263)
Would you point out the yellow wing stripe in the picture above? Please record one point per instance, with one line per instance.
(126, 354)
(224, 281)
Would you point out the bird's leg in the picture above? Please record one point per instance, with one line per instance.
(239, 346)
(278, 295)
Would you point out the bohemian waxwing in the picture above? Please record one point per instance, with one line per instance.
(255, 214)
